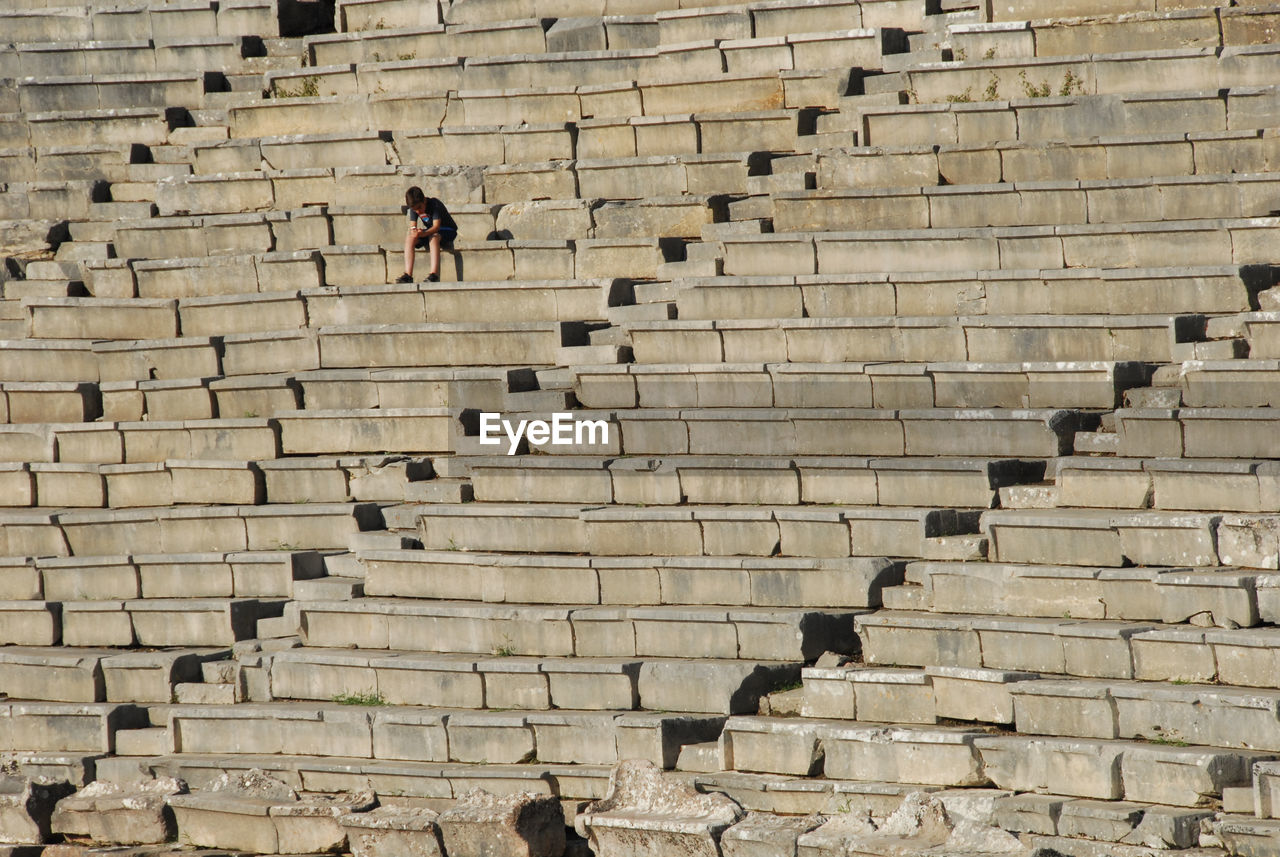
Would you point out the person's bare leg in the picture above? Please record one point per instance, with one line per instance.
(408, 253)
(435, 254)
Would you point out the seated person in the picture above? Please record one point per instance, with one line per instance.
(430, 225)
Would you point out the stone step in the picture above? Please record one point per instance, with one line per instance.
(438, 491)
(83, 251)
(1117, 539)
(841, 531)
(1084, 291)
(210, 482)
(70, 674)
(593, 355)
(142, 742)
(1216, 242)
(708, 480)
(1021, 145)
(294, 352)
(1171, 716)
(691, 268)
(527, 683)
(1225, 598)
(845, 750)
(1109, 649)
(410, 734)
(870, 694)
(16, 290)
(958, 757)
(164, 622)
(618, 581)
(427, 783)
(254, 396)
(738, 633)
(1024, 204)
(1203, 383)
(609, 336)
(199, 693)
(1194, 485)
(328, 588)
(1142, 31)
(1153, 397)
(975, 339)
(783, 794)
(67, 728)
(186, 529)
(1067, 383)
(244, 574)
(1194, 68)
(1037, 433)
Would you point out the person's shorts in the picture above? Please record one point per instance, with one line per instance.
(446, 239)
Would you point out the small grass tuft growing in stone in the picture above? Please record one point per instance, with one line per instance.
(364, 697)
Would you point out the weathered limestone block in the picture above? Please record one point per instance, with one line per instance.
(729, 687)
(1084, 768)
(25, 807)
(773, 745)
(393, 832)
(983, 695)
(1106, 821)
(1029, 813)
(1249, 541)
(119, 814)
(481, 824)
(647, 813)
(1184, 776)
(935, 756)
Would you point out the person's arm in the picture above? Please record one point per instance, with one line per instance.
(430, 230)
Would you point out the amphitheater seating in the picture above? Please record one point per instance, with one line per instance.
(929, 345)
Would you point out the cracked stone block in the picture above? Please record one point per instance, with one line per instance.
(25, 807)
(481, 824)
(119, 814)
(647, 812)
(393, 832)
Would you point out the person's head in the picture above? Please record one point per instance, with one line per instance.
(415, 199)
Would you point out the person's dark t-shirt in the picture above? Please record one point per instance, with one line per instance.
(435, 210)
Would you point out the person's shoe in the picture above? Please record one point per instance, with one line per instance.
(404, 278)
(433, 278)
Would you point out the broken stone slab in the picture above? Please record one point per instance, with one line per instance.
(1029, 813)
(253, 811)
(1107, 821)
(393, 832)
(311, 824)
(75, 768)
(921, 824)
(25, 807)
(647, 812)
(482, 824)
(119, 814)
(767, 835)
(835, 835)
